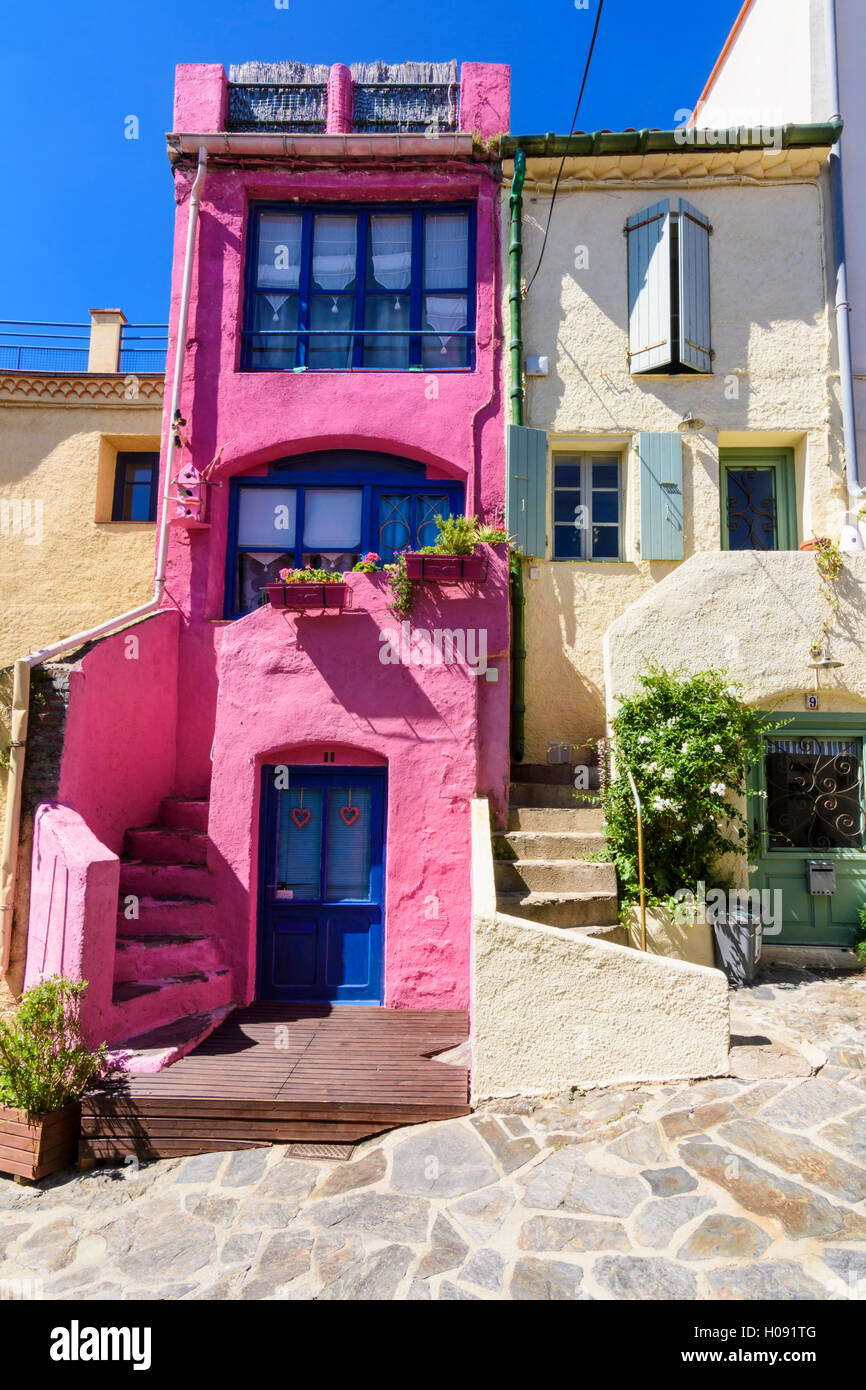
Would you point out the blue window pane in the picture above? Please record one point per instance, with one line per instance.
(332, 314)
(387, 314)
(564, 504)
(605, 475)
(254, 572)
(751, 515)
(567, 475)
(605, 542)
(567, 543)
(347, 874)
(275, 344)
(430, 505)
(395, 524)
(605, 507)
(299, 844)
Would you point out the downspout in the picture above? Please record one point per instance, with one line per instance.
(24, 664)
(843, 308)
(518, 597)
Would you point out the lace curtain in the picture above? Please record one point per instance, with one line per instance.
(391, 239)
(279, 257)
(335, 246)
(446, 253)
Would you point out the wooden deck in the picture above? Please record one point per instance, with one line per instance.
(282, 1073)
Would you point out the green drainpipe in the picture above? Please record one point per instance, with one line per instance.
(518, 598)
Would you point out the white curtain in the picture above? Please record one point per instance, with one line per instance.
(279, 253)
(332, 518)
(446, 250)
(446, 316)
(392, 252)
(335, 244)
(266, 516)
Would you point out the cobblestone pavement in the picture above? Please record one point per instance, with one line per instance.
(752, 1186)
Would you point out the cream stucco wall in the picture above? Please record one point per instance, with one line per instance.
(64, 565)
(771, 385)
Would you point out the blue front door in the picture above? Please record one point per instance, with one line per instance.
(322, 872)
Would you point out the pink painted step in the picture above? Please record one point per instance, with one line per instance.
(165, 880)
(158, 916)
(184, 814)
(153, 1051)
(142, 1006)
(140, 958)
(161, 844)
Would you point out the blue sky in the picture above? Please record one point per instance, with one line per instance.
(88, 214)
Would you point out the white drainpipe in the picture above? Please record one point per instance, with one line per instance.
(843, 308)
(24, 664)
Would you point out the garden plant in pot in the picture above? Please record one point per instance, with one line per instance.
(688, 741)
(45, 1069)
(452, 556)
(308, 588)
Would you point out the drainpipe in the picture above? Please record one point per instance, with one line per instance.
(518, 597)
(24, 664)
(843, 309)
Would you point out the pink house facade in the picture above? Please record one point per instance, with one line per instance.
(255, 802)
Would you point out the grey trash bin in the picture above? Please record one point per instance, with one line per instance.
(738, 937)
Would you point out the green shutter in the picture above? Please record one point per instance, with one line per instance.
(661, 497)
(649, 288)
(526, 488)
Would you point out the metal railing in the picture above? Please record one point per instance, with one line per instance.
(29, 345)
(294, 107)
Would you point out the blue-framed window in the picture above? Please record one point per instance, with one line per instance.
(386, 287)
(327, 515)
(136, 479)
(587, 507)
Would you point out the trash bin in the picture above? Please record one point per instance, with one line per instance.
(737, 939)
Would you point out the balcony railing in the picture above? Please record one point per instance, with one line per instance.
(33, 346)
(297, 108)
(415, 108)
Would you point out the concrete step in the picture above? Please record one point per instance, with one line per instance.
(556, 774)
(184, 813)
(153, 1051)
(141, 957)
(533, 844)
(161, 844)
(553, 876)
(138, 1007)
(165, 880)
(159, 916)
(561, 820)
(542, 794)
(585, 909)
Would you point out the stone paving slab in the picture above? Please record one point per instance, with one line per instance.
(745, 1187)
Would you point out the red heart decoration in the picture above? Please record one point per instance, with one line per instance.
(350, 814)
(300, 816)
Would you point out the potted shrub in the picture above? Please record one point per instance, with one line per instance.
(452, 557)
(308, 588)
(688, 741)
(45, 1069)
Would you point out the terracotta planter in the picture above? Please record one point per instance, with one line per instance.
(32, 1146)
(306, 596)
(808, 545)
(446, 569)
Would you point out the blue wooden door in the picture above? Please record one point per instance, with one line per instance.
(321, 922)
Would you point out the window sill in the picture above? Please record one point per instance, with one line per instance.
(343, 371)
(139, 525)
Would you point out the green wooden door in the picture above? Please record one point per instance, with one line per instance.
(811, 807)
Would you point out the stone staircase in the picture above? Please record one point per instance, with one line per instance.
(171, 983)
(541, 864)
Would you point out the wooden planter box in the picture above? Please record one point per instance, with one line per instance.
(446, 569)
(305, 596)
(32, 1146)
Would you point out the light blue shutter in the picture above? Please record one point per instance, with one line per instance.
(694, 289)
(526, 488)
(661, 497)
(649, 287)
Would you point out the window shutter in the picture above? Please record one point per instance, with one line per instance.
(695, 350)
(526, 488)
(661, 497)
(649, 287)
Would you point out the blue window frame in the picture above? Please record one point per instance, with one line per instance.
(327, 514)
(136, 479)
(386, 287)
(587, 507)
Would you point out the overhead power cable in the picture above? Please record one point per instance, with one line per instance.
(570, 133)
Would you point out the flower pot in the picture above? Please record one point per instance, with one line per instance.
(306, 596)
(446, 569)
(808, 545)
(33, 1146)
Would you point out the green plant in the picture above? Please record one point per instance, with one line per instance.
(688, 741)
(457, 535)
(829, 562)
(400, 585)
(492, 535)
(310, 576)
(861, 937)
(368, 564)
(44, 1063)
